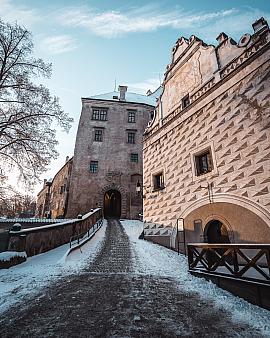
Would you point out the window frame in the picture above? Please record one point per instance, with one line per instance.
(203, 162)
(134, 156)
(131, 137)
(207, 147)
(158, 180)
(99, 114)
(93, 167)
(131, 116)
(185, 101)
(98, 137)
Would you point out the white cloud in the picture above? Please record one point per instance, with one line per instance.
(111, 24)
(115, 23)
(11, 12)
(142, 87)
(58, 44)
(234, 25)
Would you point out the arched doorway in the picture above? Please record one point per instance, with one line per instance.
(216, 232)
(112, 203)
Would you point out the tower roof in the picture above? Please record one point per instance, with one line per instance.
(129, 97)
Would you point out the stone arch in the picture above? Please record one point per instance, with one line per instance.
(223, 220)
(214, 224)
(254, 207)
(113, 186)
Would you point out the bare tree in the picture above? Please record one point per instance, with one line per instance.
(28, 112)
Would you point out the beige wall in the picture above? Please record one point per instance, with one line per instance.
(243, 225)
(228, 114)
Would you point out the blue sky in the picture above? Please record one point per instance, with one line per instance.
(92, 43)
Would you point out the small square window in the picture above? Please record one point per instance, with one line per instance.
(93, 166)
(185, 101)
(134, 158)
(131, 137)
(158, 181)
(98, 135)
(131, 116)
(203, 162)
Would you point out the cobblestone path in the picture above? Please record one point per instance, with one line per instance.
(108, 300)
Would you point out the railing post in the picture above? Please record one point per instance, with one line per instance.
(190, 256)
(235, 263)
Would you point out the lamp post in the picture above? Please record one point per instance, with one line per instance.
(138, 187)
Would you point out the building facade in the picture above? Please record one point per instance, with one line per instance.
(207, 151)
(52, 200)
(108, 153)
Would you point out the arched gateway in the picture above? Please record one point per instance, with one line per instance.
(216, 232)
(112, 203)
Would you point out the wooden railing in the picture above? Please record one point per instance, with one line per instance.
(249, 262)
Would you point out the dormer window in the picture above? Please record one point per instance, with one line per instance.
(185, 101)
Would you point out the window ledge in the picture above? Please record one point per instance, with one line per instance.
(158, 189)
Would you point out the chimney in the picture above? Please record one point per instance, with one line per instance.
(44, 182)
(67, 158)
(222, 37)
(259, 25)
(122, 90)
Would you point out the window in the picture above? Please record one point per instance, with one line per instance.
(131, 137)
(203, 162)
(131, 116)
(99, 114)
(98, 135)
(185, 101)
(93, 166)
(158, 181)
(62, 189)
(134, 158)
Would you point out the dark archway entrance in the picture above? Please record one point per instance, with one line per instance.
(112, 203)
(216, 232)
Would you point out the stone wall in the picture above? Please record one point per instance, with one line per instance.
(41, 239)
(229, 114)
(53, 198)
(115, 169)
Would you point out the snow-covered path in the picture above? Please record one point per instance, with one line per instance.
(158, 261)
(31, 277)
(132, 288)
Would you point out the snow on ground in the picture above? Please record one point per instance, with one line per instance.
(156, 260)
(30, 277)
(8, 255)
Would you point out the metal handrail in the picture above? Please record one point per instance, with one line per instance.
(81, 235)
